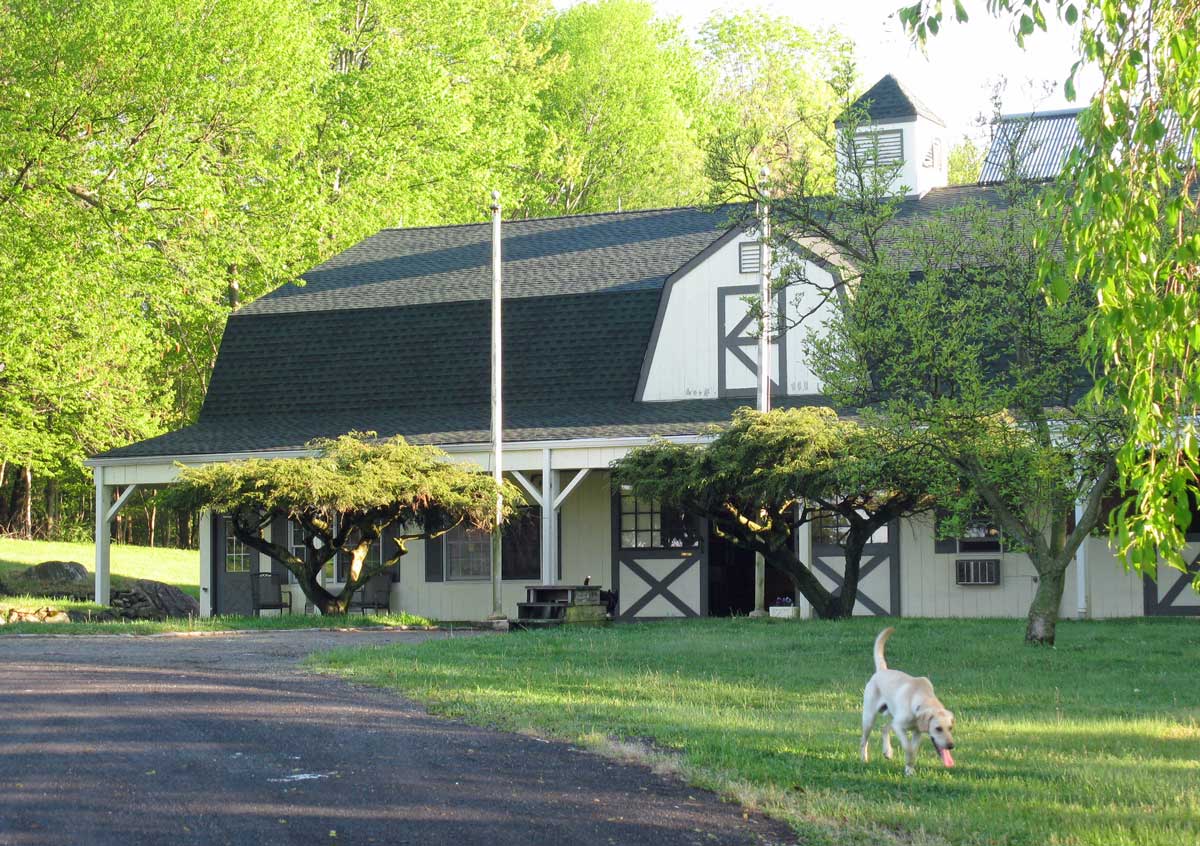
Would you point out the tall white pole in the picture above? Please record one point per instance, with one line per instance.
(764, 293)
(763, 209)
(497, 411)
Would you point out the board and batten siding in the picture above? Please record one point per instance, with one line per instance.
(585, 529)
(928, 589)
(685, 358)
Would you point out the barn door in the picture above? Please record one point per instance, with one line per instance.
(1172, 594)
(879, 568)
(233, 566)
(659, 562)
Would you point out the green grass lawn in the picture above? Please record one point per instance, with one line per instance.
(1096, 741)
(179, 567)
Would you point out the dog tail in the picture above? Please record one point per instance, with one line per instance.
(880, 662)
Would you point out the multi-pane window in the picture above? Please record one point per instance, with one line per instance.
(831, 528)
(468, 553)
(338, 567)
(645, 524)
(238, 556)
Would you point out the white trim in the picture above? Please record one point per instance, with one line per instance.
(121, 500)
(528, 486)
(452, 449)
(571, 485)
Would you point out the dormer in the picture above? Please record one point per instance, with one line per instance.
(896, 127)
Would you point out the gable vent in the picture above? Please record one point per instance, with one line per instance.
(749, 257)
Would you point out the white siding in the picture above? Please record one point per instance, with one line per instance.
(925, 153)
(684, 362)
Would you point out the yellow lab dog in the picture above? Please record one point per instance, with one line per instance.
(914, 709)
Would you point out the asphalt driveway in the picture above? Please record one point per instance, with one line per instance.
(220, 739)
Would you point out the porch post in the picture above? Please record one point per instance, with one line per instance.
(804, 553)
(103, 536)
(206, 563)
(549, 521)
(1081, 587)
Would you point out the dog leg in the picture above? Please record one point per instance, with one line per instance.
(870, 712)
(887, 741)
(910, 744)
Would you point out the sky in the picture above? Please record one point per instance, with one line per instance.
(956, 75)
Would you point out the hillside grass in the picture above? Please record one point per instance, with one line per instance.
(179, 567)
(1096, 741)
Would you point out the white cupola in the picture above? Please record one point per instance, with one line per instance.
(896, 126)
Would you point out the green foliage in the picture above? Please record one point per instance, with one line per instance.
(771, 101)
(964, 162)
(939, 334)
(618, 119)
(765, 474)
(344, 497)
(1126, 217)
(1089, 744)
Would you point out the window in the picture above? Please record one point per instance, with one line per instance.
(749, 257)
(830, 528)
(342, 560)
(645, 524)
(468, 553)
(237, 555)
(521, 556)
(977, 571)
(884, 148)
(933, 156)
(980, 535)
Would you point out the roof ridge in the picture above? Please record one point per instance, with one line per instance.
(551, 217)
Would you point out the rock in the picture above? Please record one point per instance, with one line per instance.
(150, 600)
(57, 571)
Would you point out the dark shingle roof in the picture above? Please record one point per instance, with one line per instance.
(889, 101)
(393, 336)
(543, 257)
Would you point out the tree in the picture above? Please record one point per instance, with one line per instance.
(617, 119)
(343, 498)
(964, 162)
(766, 474)
(943, 336)
(1126, 217)
(768, 96)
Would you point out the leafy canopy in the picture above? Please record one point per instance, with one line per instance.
(1126, 217)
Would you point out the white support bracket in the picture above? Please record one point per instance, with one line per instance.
(571, 485)
(528, 486)
(121, 500)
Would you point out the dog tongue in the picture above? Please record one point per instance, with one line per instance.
(947, 759)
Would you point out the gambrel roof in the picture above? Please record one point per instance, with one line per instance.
(393, 336)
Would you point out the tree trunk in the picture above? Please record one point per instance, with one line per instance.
(27, 509)
(52, 508)
(153, 520)
(1043, 611)
(183, 539)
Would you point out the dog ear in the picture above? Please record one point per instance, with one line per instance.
(924, 716)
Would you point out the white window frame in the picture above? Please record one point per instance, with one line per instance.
(235, 549)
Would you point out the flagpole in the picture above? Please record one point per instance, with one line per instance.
(497, 412)
(763, 210)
